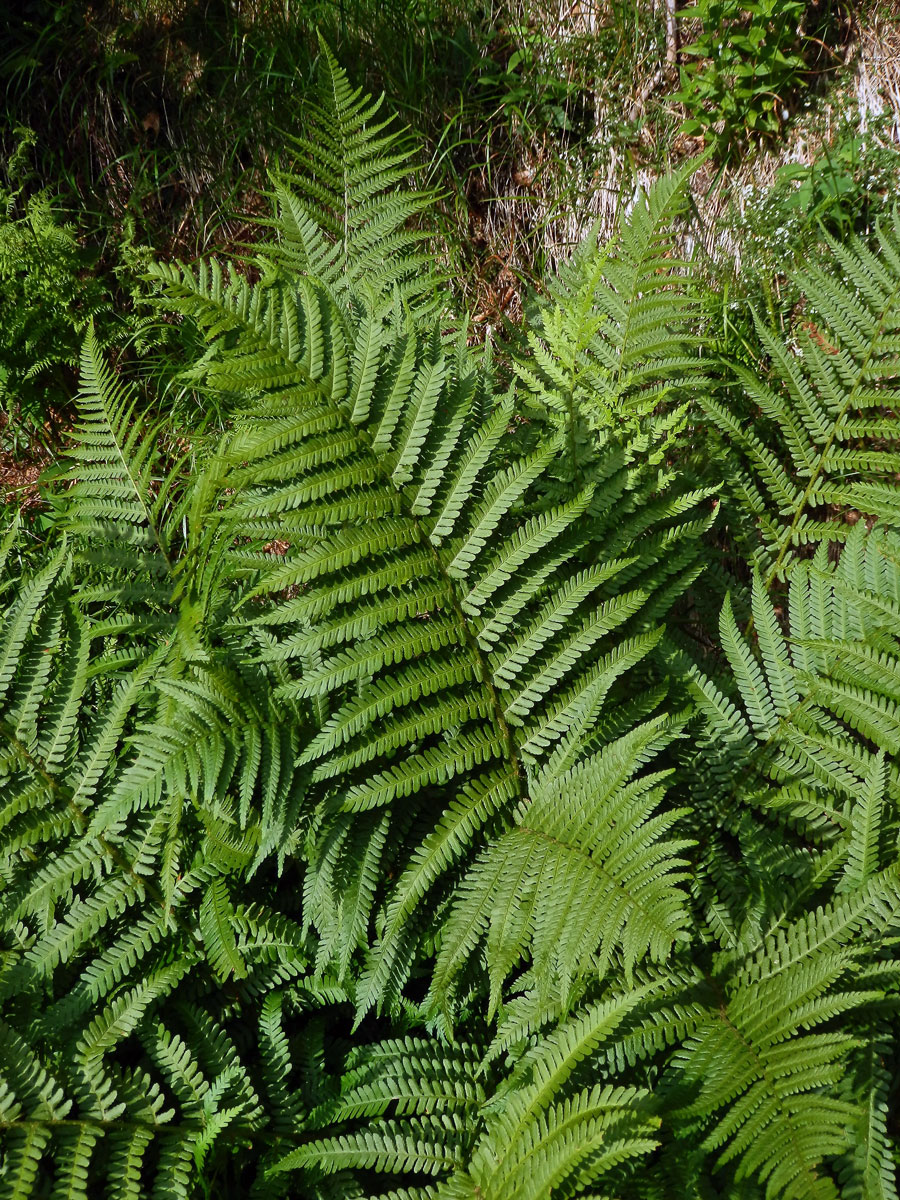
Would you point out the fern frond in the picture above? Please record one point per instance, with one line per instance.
(761, 1079)
(826, 445)
(344, 214)
(817, 695)
(584, 871)
(616, 335)
(413, 496)
(117, 499)
(869, 1169)
(535, 1131)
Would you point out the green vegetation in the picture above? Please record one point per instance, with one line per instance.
(746, 69)
(449, 744)
(50, 300)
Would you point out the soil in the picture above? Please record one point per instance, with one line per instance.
(20, 471)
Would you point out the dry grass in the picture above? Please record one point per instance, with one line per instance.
(543, 200)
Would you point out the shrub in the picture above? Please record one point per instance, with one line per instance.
(747, 67)
(48, 299)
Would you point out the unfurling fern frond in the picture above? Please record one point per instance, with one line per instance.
(820, 444)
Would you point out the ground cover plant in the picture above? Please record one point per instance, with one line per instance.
(472, 772)
(746, 69)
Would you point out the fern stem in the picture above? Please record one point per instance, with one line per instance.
(573, 440)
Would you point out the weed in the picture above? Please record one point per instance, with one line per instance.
(749, 66)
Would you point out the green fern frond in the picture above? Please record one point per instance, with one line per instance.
(825, 445)
(585, 870)
(817, 699)
(117, 500)
(534, 1131)
(754, 1064)
(869, 1169)
(617, 334)
(345, 216)
(411, 495)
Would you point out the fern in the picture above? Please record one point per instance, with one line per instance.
(615, 337)
(758, 1075)
(416, 490)
(116, 500)
(533, 1129)
(817, 703)
(381, 812)
(824, 445)
(344, 216)
(584, 868)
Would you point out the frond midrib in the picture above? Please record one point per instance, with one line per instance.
(450, 584)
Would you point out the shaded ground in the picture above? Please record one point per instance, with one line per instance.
(20, 471)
